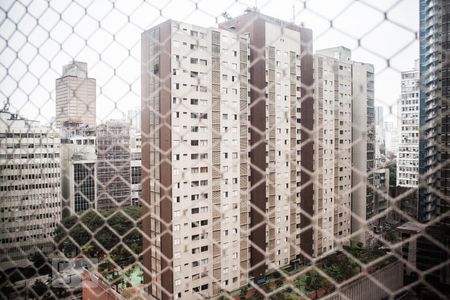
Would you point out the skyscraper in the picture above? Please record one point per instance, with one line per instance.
(194, 158)
(207, 102)
(281, 142)
(434, 169)
(344, 152)
(75, 96)
(30, 205)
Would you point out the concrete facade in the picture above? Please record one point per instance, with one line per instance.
(333, 159)
(194, 154)
(113, 164)
(29, 188)
(408, 155)
(281, 147)
(78, 169)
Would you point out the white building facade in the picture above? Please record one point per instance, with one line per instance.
(30, 193)
(206, 172)
(408, 154)
(333, 150)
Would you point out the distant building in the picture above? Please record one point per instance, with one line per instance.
(408, 155)
(380, 143)
(78, 168)
(30, 205)
(134, 119)
(381, 193)
(392, 139)
(113, 164)
(75, 96)
(136, 167)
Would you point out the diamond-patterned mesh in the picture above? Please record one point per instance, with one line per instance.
(234, 149)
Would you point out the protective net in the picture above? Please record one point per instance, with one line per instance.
(187, 149)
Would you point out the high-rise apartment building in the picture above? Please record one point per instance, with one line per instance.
(333, 150)
(194, 159)
(200, 88)
(75, 96)
(408, 155)
(113, 164)
(30, 204)
(281, 143)
(78, 168)
(344, 158)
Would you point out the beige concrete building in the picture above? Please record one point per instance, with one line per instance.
(75, 96)
(281, 116)
(194, 157)
(200, 88)
(30, 205)
(333, 149)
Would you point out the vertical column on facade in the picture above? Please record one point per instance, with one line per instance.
(319, 157)
(216, 171)
(271, 172)
(164, 68)
(150, 159)
(243, 158)
(338, 195)
(370, 143)
(293, 199)
(307, 148)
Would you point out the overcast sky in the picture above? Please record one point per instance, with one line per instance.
(38, 37)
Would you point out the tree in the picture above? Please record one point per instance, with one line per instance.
(341, 269)
(39, 287)
(40, 263)
(73, 238)
(314, 281)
